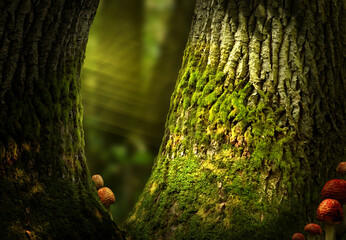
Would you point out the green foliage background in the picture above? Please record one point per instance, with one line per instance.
(133, 57)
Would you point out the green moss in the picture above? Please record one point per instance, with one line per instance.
(184, 81)
(195, 97)
(65, 115)
(65, 87)
(260, 153)
(209, 99)
(192, 80)
(43, 111)
(187, 191)
(54, 209)
(74, 91)
(208, 88)
(57, 110)
(201, 82)
(55, 88)
(66, 109)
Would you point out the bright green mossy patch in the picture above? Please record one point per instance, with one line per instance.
(200, 200)
(211, 110)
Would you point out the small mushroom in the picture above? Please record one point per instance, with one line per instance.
(298, 236)
(313, 230)
(28, 234)
(330, 212)
(98, 180)
(107, 198)
(341, 169)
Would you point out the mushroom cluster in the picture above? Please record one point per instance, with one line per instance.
(106, 195)
(331, 210)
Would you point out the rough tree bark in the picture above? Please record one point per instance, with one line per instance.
(45, 187)
(256, 124)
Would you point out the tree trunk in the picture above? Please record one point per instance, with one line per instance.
(45, 186)
(256, 124)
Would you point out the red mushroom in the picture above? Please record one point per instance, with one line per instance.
(313, 230)
(330, 212)
(298, 236)
(335, 189)
(98, 180)
(107, 198)
(341, 169)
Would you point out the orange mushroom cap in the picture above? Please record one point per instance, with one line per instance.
(330, 211)
(313, 229)
(98, 180)
(298, 236)
(106, 196)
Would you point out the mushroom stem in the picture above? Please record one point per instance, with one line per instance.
(344, 208)
(330, 231)
(110, 212)
(311, 237)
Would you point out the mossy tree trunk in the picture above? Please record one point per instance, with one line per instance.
(45, 187)
(256, 124)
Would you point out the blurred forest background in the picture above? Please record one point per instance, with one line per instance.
(133, 57)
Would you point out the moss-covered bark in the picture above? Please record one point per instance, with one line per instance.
(45, 187)
(256, 124)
